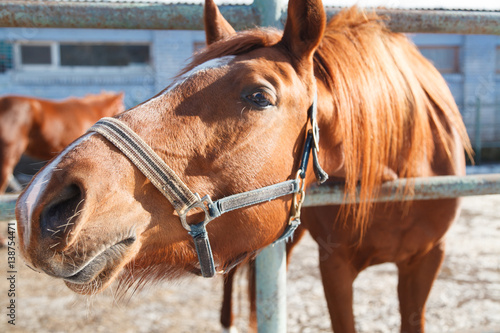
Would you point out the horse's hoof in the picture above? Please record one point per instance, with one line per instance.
(231, 329)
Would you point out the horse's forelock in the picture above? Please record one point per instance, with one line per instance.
(240, 43)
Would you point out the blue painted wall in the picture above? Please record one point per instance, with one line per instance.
(170, 50)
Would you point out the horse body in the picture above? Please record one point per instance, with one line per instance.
(234, 121)
(42, 128)
(408, 234)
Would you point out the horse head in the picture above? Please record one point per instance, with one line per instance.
(233, 121)
(107, 104)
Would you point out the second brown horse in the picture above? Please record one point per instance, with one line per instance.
(41, 128)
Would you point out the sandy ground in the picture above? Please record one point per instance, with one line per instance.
(465, 298)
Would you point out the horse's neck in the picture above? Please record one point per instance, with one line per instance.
(331, 150)
(331, 142)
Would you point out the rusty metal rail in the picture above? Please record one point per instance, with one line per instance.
(115, 15)
(441, 187)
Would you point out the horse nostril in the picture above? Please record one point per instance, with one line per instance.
(59, 215)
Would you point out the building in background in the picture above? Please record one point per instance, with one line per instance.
(58, 63)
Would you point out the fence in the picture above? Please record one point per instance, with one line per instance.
(441, 187)
(136, 15)
(271, 294)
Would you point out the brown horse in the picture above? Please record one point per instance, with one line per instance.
(42, 128)
(234, 121)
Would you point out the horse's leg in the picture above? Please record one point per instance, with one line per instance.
(10, 153)
(226, 314)
(252, 297)
(14, 184)
(338, 276)
(4, 173)
(416, 276)
(337, 270)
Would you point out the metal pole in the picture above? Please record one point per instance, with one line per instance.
(117, 15)
(424, 188)
(270, 268)
(272, 13)
(438, 21)
(270, 264)
(137, 15)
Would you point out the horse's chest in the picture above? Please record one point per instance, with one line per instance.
(395, 232)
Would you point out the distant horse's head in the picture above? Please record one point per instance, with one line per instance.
(234, 120)
(107, 103)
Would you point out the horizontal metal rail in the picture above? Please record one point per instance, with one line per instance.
(442, 187)
(425, 188)
(115, 15)
(439, 21)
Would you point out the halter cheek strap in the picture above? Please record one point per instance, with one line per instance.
(183, 200)
(320, 174)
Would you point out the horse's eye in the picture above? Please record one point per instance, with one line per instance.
(261, 99)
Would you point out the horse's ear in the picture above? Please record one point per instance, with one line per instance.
(216, 26)
(304, 28)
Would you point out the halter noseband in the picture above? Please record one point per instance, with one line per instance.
(183, 200)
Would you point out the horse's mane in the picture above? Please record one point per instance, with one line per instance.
(103, 96)
(389, 101)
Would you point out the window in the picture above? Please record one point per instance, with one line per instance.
(88, 55)
(36, 55)
(5, 56)
(108, 55)
(445, 58)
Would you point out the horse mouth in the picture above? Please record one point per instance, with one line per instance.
(99, 271)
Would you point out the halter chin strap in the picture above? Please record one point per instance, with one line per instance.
(183, 200)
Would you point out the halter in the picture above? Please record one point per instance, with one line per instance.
(183, 200)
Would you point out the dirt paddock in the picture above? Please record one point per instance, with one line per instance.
(465, 298)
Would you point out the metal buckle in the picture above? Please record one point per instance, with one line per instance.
(298, 200)
(315, 131)
(203, 203)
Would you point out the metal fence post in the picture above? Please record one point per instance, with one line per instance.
(270, 265)
(271, 12)
(270, 269)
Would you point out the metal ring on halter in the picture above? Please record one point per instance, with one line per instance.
(298, 198)
(203, 204)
